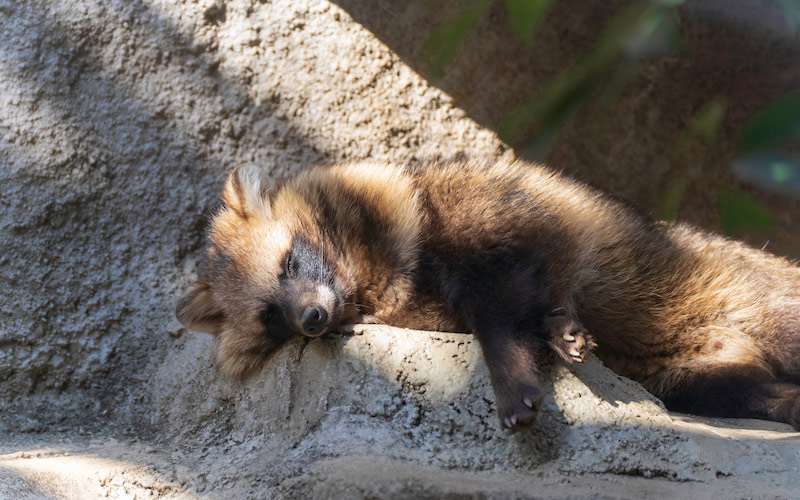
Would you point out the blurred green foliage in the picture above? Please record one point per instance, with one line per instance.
(671, 200)
(444, 43)
(703, 127)
(636, 30)
(640, 30)
(739, 212)
(524, 16)
(770, 170)
(774, 125)
(791, 12)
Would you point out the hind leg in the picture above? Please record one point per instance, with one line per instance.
(783, 348)
(731, 390)
(722, 372)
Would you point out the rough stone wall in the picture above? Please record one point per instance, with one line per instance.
(118, 122)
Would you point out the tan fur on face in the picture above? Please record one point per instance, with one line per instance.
(243, 264)
(388, 188)
(392, 192)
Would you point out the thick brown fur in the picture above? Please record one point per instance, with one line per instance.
(516, 254)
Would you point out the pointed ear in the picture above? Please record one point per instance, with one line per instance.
(245, 192)
(198, 311)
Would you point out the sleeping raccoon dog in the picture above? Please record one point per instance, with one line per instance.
(515, 254)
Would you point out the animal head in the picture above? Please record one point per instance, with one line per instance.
(293, 258)
(269, 275)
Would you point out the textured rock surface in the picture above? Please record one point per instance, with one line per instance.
(119, 122)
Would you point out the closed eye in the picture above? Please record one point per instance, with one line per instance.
(288, 265)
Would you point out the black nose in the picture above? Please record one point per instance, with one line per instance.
(314, 319)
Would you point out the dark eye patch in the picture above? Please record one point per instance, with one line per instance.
(266, 314)
(303, 261)
(274, 321)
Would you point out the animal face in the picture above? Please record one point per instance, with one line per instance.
(306, 300)
(303, 257)
(267, 278)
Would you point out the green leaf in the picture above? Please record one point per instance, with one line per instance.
(655, 35)
(524, 16)
(703, 125)
(671, 201)
(771, 171)
(707, 121)
(609, 93)
(782, 171)
(739, 212)
(773, 125)
(444, 43)
(791, 12)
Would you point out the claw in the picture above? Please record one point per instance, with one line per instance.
(513, 420)
(528, 402)
(568, 337)
(507, 422)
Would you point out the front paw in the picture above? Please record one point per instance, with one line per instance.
(568, 338)
(518, 408)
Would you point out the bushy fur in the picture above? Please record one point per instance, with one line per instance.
(515, 254)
